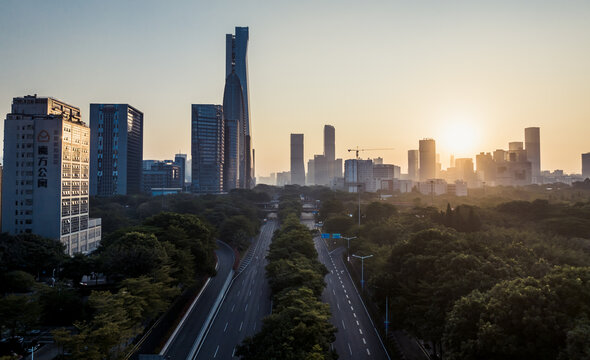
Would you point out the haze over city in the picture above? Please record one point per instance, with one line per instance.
(469, 74)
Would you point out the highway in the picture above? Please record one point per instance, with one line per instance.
(356, 337)
(183, 340)
(247, 302)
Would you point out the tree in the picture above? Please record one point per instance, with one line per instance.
(16, 281)
(60, 305)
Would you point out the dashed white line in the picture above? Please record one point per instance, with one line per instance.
(349, 302)
(333, 292)
(216, 350)
(246, 308)
(368, 352)
(364, 341)
(225, 328)
(360, 331)
(343, 326)
(232, 308)
(353, 314)
(349, 349)
(338, 305)
(241, 324)
(357, 322)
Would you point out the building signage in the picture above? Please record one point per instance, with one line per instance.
(42, 158)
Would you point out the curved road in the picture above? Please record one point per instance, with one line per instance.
(182, 343)
(247, 302)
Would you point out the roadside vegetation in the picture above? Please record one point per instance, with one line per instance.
(152, 249)
(299, 326)
(484, 279)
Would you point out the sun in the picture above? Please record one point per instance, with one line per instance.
(459, 136)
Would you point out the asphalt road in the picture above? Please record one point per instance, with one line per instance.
(356, 337)
(182, 343)
(247, 302)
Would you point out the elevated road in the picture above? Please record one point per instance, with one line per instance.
(182, 341)
(247, 302)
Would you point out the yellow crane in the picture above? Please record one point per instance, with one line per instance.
(357, 150)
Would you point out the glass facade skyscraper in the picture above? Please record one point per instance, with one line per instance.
(233, 115)
(207, 148)
(236, 61)
(116, 149)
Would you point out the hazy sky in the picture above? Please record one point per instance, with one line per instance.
(470, 74)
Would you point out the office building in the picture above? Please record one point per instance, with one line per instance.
(283, 178)
(165, 174)
(116, 149)
(427, 151)
(532, 145)
(338, 168)
(297, 165)
(180, 160)
(329, 152)
(207, 149)
(413, 164)
(586, 165)
(485, 167)
(321, 170)
(310, 177)
(358, 175)
(236, 61)
(234, 171)
(46, 174)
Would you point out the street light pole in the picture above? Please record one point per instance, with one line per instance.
(348, 247)
(362, 268)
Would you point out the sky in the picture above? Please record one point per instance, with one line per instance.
(469, 74)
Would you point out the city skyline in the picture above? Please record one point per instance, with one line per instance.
(384, 62)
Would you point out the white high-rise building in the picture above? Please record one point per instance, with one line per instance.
(46, 171)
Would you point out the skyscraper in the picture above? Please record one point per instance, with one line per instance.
(329, 152)
(46, 170)
(427, 159)
(207, 149)
(532, 145)
(116, 149)
(236, 61)
(586, 165)
(234, 171)
(413, 164)
(297, 165)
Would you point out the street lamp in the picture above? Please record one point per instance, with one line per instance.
(348, 247)
(362, 268)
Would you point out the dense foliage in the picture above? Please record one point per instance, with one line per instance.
(299, 326)
(147, 255)
(482, 280)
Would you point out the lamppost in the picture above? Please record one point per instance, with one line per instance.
(362, 268)
(348, 247)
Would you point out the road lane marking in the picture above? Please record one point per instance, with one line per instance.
(353, 314)
(344, 326)
(216, 350)
(245, 309)
(360, 331)
(333, 292)
(364, 341)
(349, 303)
(347, 296)
(351, 308)
(233, 353)
(239, 292)
(232, 308)
(241, 324)
(338, 306)
(357, 322)
(368, 352)
(349, 349)
(225, 328)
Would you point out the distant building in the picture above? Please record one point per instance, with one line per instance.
(427, 159)
(297, 165)
(283, 178)
(321, 170)
(329, 152)
(338, 168)
(586, 165)
(46, 173)
(116, 149)
(358, 175)
(234, 117)
(464, 171)
(485, 167)
(207, 149)
(532, 142)
(180, 160)
(433, 187)
(458, 188)
(162, 175)
(413, 164)
(310, 177)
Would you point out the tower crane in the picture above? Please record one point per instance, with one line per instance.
(357, 150)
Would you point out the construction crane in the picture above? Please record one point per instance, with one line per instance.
(357, 150)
